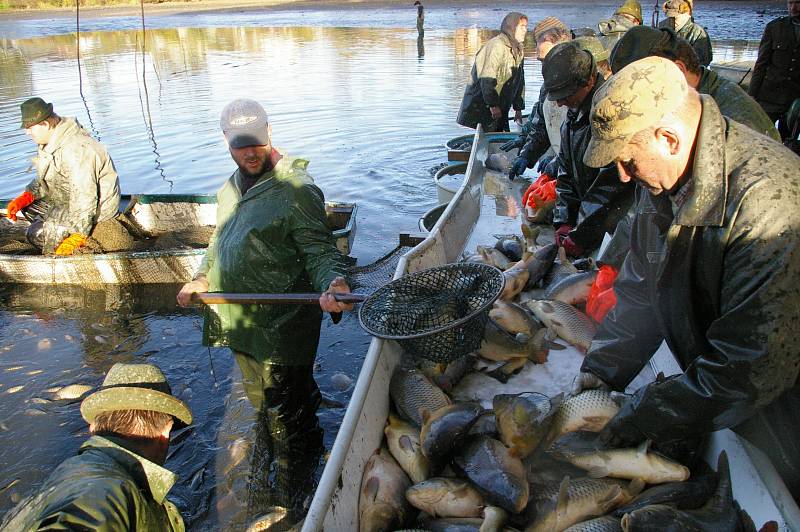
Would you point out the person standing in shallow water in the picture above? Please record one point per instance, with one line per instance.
(497, 80)
(420, 18)
(272, 236)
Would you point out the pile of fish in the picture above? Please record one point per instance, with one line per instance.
(529, 461)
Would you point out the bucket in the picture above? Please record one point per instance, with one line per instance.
(448, 180)
(430, 218)
(459, 148)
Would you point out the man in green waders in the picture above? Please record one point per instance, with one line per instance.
(116, 482)
(271, 237)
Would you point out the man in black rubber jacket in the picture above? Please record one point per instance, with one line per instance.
(714, 269)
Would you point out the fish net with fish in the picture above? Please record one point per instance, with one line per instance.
(439, 313)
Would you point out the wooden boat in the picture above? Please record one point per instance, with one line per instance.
(159, 215)
(472, 217)
(738, 72)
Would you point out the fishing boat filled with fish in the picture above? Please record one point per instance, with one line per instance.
(172, 234)
(494, 440)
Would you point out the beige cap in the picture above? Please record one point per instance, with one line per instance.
(673, 8)
(633, 99)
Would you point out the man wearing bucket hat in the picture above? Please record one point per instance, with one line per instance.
(680, 20)
(116, 482)
(272, 236)
(589, 201)
(713, 269)
(600, 54)
(627, 16)
(76, 186)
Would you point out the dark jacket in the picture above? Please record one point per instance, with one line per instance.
(497, 80)
(542, 135)
(776, 75)
(591, 200)
(697, 37)
(104, 488)
(274, 239)
(720, 283)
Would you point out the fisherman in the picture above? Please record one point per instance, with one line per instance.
(76, 188)
(420, 18)
(589, 201)
(600, 54)
(117, 480)
(627, 16)
(680, 20)
(271, 237)
(540, 138)
(714, 269)
(775, 83)
(497, 80)
(731, 99)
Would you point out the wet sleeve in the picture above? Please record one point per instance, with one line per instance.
(104, 506)
(753, 357)
(703, 48)
(312, 235)
(519, 98)
(567, 199)
(211, 250)
(605, 203)
(486, 66)
(537, 142)
(627, 337)
(762, 62)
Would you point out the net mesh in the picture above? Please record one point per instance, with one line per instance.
(439, 313)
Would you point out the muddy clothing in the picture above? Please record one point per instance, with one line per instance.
(497, 80)
(776, 74)
(720, 282)
(273, 239)
(612, 30)
(77, 179)
(735, 103)
(697, 37)
(591, 200)
(105, 487)
(543, 134)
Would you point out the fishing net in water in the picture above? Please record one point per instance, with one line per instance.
(367, 279)
(439, 313)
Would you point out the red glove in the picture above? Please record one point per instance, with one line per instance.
(545, 193)
(572, 249)
(601, 296)
(17, 204)
(561, 233)
(535, 190)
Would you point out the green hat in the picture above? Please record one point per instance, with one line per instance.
(640, 42)
(633, 99)
(593, 46)
(135, 387)
(34, 111)
(632, 8)
(673, 8)
(566, 69)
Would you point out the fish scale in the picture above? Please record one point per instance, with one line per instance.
(413, 392)
(599, 524)
(570, 323)
(589, 410)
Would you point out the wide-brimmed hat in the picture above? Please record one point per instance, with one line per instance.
(135, 387)
(632, 8)
(592, 45)
(34, 110)
(673, 8)
(566, 69)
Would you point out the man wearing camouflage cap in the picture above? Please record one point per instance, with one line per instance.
(714, 269)
(116, 482)
(627, 16)
(589, 201)
(680, 20)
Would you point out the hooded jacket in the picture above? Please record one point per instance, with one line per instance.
(105, 488)
(273, 239)
(776, 74)
(77, 179)
(497, 79)
(591, 200)
(719, 281)
(697, 37)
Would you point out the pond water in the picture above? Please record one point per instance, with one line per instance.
(369, 105)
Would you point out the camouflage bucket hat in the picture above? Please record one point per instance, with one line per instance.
(632, 100)
(34, 110)
(593, 46)
(135, 387)
(566, 69)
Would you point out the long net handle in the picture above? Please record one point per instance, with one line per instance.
(221, 298)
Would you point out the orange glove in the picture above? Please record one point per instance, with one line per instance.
(528, 197)
(70, 244)
(17, 204)
(545, 193)
(601, 296)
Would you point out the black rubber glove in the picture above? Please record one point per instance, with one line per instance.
(511, 144)
(518, 168)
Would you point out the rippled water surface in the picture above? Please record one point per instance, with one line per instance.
(368, 105)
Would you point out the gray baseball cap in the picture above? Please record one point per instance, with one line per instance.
(244, 123)
(566, 69)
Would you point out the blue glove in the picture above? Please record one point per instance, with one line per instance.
(511, 144)
(518, 168)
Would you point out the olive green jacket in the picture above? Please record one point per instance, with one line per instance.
(697, 37)
(105, 487)
(77, 179)
(735, 103)
(612, 30)
(274, 239)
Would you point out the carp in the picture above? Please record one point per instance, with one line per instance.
(561, 268)
(513, 318)
(446, 375)
(382, 503)
(515, 281)
(590, 410)
(413, 392)
(599, 524)
(568, 322)
(494, 257)
(403, 442)
(573, 289)
(446, 497)
(497, 474)
(71, 392)
(523, 420)
(682, 495)
(512, 246)
(539, 263)
(444, 429)
(582, 449)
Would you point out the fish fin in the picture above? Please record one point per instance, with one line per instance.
(425, 414)
(551, 334)
(563, 498)
(612, 499)
(498, 375)
(597, 472)
(526, 257)
(557, 323)
(643, 447)
(594, 423)
(405, 443)
(546, 306)
(634, 488)
(553, 345)
(371, 488)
